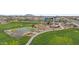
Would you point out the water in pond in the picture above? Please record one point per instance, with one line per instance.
(19, 32)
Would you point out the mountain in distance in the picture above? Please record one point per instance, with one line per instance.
(29, 15)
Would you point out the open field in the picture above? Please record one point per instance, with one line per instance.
(61, 37)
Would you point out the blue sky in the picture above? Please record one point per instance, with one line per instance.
(39, 7)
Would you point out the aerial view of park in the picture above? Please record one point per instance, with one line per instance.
(39, 30)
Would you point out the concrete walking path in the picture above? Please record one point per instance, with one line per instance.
(61, 26)
(31, 39)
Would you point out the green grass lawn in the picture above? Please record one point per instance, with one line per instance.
(7, 40)
(61, 37)
(12, 25)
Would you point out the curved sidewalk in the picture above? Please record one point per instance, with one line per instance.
(31, 39)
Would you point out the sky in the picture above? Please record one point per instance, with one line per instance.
(39, 7)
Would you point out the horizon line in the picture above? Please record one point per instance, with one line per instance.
(39, 14)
